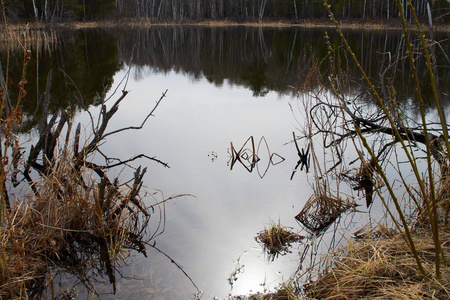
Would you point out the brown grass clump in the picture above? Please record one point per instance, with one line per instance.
(285, 292)
(276, 239)
(321, 210)
(73, 223)
(383, 269)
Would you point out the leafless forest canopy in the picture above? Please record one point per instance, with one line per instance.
(234, 10)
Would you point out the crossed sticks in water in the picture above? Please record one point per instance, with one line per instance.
(304, 158)
(248, 156)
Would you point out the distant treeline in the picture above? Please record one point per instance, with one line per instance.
(197, 10)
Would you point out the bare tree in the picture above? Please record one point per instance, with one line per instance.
(261, 8)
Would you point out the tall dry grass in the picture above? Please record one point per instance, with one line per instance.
(72, 217)
(383, 268)
(27, 37)
(74, 222)
(410, 260)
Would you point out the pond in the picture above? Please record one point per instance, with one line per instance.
(224, 86)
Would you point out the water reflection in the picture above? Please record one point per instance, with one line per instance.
(251, 157)
(224, 84)
(261, 60)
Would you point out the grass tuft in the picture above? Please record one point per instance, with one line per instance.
(382, 269)
(73, 223)
(276, 239)
(321, 210)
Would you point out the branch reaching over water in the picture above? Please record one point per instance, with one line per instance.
(143, 123)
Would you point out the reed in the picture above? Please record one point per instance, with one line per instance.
(408, 261)
(69, 216)
(27, 37)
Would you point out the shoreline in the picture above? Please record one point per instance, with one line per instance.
(349, 24)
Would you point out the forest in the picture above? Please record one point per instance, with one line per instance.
(50, 11)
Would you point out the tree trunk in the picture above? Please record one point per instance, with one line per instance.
(262, 7)
(36, 14)
(364, 10)
(213, 9)
(198, 10)
(221, 12)
(295, 9)
(159, 10)
(46, 10)
(387, 8)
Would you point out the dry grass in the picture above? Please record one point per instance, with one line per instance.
(276, 239)
(27, 37)
(321, 210)
(383, 269)
(285, 292)
(73, 223)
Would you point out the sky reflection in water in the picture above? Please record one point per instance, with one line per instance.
(207, 234)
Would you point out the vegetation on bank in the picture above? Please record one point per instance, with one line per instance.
(403, 166)
(40, 233)
(60, 210)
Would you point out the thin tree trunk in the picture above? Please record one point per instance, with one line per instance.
(36, 16)
(198, 9)
(45, 10)
(295, 9)
(159, 10)
(364, 10)
(387, 13)
(262, 6)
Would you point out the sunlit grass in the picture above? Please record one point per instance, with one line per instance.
(277, 240)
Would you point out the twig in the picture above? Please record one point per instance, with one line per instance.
(143, 123)
(134, 158)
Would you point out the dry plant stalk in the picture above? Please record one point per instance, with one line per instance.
(24, 36)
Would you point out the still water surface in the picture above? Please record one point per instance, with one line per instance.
(224, 86)
(192, 131)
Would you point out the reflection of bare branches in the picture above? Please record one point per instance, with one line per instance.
(250, 157)
(245, 155)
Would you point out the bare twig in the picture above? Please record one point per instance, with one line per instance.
(143, 123)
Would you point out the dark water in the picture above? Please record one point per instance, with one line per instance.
(224, 85)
